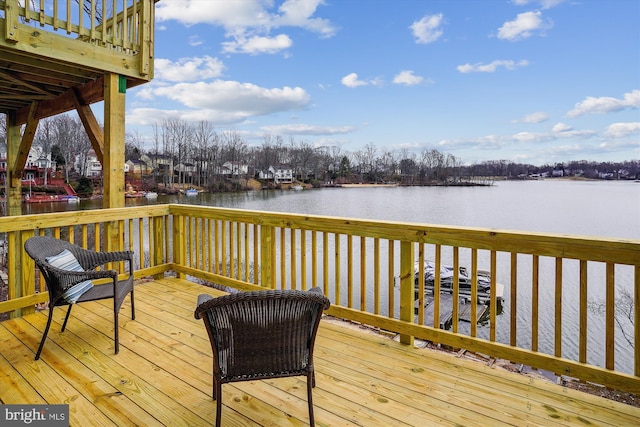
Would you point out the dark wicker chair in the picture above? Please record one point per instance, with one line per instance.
(262, 334)
(58, 280)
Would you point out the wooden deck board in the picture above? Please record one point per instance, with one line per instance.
(162, 376)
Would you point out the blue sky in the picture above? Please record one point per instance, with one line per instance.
(531, 81)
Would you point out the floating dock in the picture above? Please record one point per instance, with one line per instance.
(446, 310)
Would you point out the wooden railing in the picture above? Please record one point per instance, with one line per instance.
(124, 26)
(368, 269)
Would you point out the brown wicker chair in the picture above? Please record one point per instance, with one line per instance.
(60, 280)
(262, 334)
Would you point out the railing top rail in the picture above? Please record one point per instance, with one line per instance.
(64, 219)
(624, 251)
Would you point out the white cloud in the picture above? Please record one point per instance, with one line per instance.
(561, 127)
(606, 104)
(299, 13)
(302, 129)
(221, 102)
(621, 130)
(537, 117)
(351, 80)
(492, 67)
(248, 23)
(235, 96)
(523, 26)
(256, 45)
(428, 29)
(544, 4)
(188, 69)
(408, 78)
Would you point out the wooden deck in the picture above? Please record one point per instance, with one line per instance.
(162, 376)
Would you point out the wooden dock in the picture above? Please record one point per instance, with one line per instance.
(446, 310)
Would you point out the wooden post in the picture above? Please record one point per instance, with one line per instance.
(158, 242)
(267, 257)
(113, 161)
(178, 241)
(406, 287)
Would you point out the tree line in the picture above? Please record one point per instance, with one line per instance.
(206, 150)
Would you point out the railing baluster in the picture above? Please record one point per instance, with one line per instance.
(336, 261)
(363, 273)
(283, 259)
(535, 270)
(325, 262)
(303, 259)
(293, 259)
(419, 283)
(455, 300)
(582, 357)
(256, 255)
(246, 252)
(513, 326)
(349, 271)
(376, 275)
(474, 292)
(314, 259)
(610, 313)
(391, 301)
(636, 320)
(493, 299)
(436, 287)
(558, 309)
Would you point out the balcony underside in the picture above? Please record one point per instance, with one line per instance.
(162, 376)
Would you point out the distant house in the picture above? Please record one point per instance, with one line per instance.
(138, 167)
(38, 168)
(234, 168)
(88, 165)
(278, 174)
(268, 175)
(186, 169)
(283, 175)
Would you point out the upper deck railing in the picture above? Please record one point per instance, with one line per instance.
(368, 269)
(118, 27)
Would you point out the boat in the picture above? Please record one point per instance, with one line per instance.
(296, 187)
(151, 195)
(464, 281)
(42, 197)
(71, 199)
(191, 192)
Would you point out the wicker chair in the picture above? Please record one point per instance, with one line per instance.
(43, 249)
(262, 334)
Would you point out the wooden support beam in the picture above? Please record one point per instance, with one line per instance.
(13, 186)
(91, 125)
(114, 132)
(25, 143)
(11, 21)
(90, 93)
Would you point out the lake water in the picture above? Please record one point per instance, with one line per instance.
(588, 208)
(592, 208)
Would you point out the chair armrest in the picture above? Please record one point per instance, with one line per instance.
(202, 298)
(91, 259)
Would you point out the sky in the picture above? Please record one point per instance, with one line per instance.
(529, 81)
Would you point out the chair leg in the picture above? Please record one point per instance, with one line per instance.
(310, 385)
(64, 324)
(218, 403)
(115, 325)
(46, 331)
(133, 310)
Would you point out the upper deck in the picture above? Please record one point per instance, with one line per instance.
(56, 52)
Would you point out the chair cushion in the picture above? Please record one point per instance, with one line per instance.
(65, 260)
